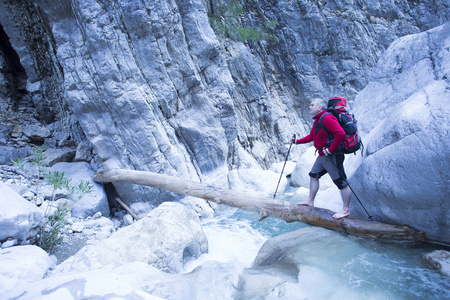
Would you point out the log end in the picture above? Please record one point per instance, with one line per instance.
(99, 176)
(263, 213)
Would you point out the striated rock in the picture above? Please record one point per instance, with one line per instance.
(19, 219)
(403, 175)
(154, 88)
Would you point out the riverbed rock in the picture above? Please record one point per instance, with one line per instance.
(169, 235)
(403, 175)
(289, 167)
(439, 260)
(22, 265)
(135, 280)
(116, 284)
(308, 256)
(19, 218)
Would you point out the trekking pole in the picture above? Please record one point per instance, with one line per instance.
(348, 183)
(370, 217)
(287, 155)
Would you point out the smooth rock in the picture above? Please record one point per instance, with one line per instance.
(19, 218)
(22, 265)
(403, 175)
(146, 241)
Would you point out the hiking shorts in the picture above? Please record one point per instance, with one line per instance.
(334, 166)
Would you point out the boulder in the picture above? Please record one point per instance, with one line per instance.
(403, 175)
(8, 154)
(439, 260)
(118, 283)
(306, 257)
(146, 240)
(83, 152)
(22, 265)
(97, 201)
(288, 167)
(263, 181)
(56, 155)
(19, 218)
(135, 280)
(36, 132)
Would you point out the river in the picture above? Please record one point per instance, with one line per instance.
(337, 267)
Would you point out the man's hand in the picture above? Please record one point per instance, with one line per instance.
(326, 152)
(294, 139)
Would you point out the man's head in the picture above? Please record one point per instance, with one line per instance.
(316, 106)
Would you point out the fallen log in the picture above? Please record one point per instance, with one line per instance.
(265, 206)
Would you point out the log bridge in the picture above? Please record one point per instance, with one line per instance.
(265, 206)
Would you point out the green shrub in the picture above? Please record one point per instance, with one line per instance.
(52, 231)
(225, 19)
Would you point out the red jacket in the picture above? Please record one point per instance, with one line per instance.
(320, 138)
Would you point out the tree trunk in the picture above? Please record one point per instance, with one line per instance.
(266, 206)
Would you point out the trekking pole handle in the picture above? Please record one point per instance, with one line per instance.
(293, 139)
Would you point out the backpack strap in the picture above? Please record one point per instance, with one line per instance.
(320, 125)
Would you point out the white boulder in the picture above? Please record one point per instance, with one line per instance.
(19, 218)
(403, 117)
(118, 283)
(167, 237)
(21, 265)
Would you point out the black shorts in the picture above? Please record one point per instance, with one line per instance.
(333, 165)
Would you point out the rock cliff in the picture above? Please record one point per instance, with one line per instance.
(151, 86)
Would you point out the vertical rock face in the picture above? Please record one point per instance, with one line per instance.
(154, 88)
(403, 115)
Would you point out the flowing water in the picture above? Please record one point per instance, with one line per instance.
(341, 267)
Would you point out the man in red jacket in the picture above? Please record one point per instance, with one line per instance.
(328, 160)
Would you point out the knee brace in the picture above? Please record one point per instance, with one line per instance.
(340, 183)
(317, 175)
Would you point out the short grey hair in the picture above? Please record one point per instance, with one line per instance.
(320, 102)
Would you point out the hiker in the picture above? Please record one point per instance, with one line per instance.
(328, 160)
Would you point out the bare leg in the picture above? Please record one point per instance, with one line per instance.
(313, 188)
(346, 194)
